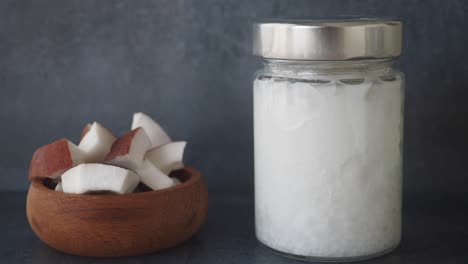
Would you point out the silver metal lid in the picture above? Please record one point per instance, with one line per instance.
(327, 39)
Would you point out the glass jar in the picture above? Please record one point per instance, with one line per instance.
(328, 138)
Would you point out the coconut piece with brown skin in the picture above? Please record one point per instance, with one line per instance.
(154, 131)
(96, 142)
(85, 130)
(129, 150)
(51, 160)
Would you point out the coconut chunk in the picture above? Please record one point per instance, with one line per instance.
(85, 130)
(154, 178)
(95, 177)
(97, 142)
(129, 150)
(51, 160)
(154, 131)
(167, 157)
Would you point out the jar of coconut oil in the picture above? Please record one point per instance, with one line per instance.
(328, 138)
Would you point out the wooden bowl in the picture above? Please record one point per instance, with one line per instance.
(118, 225)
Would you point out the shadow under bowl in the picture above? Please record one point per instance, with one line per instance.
(118, 225)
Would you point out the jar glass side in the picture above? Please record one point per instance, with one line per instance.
(328, 158)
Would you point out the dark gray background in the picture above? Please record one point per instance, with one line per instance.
(188, 63)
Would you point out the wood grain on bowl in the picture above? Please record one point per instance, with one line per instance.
(118, 225)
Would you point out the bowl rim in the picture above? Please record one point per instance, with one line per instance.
(194, 178)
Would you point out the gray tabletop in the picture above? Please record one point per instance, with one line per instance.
(435, 230)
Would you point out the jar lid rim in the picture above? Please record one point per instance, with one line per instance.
(328, 39)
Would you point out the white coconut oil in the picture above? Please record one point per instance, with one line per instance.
(328, 162)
